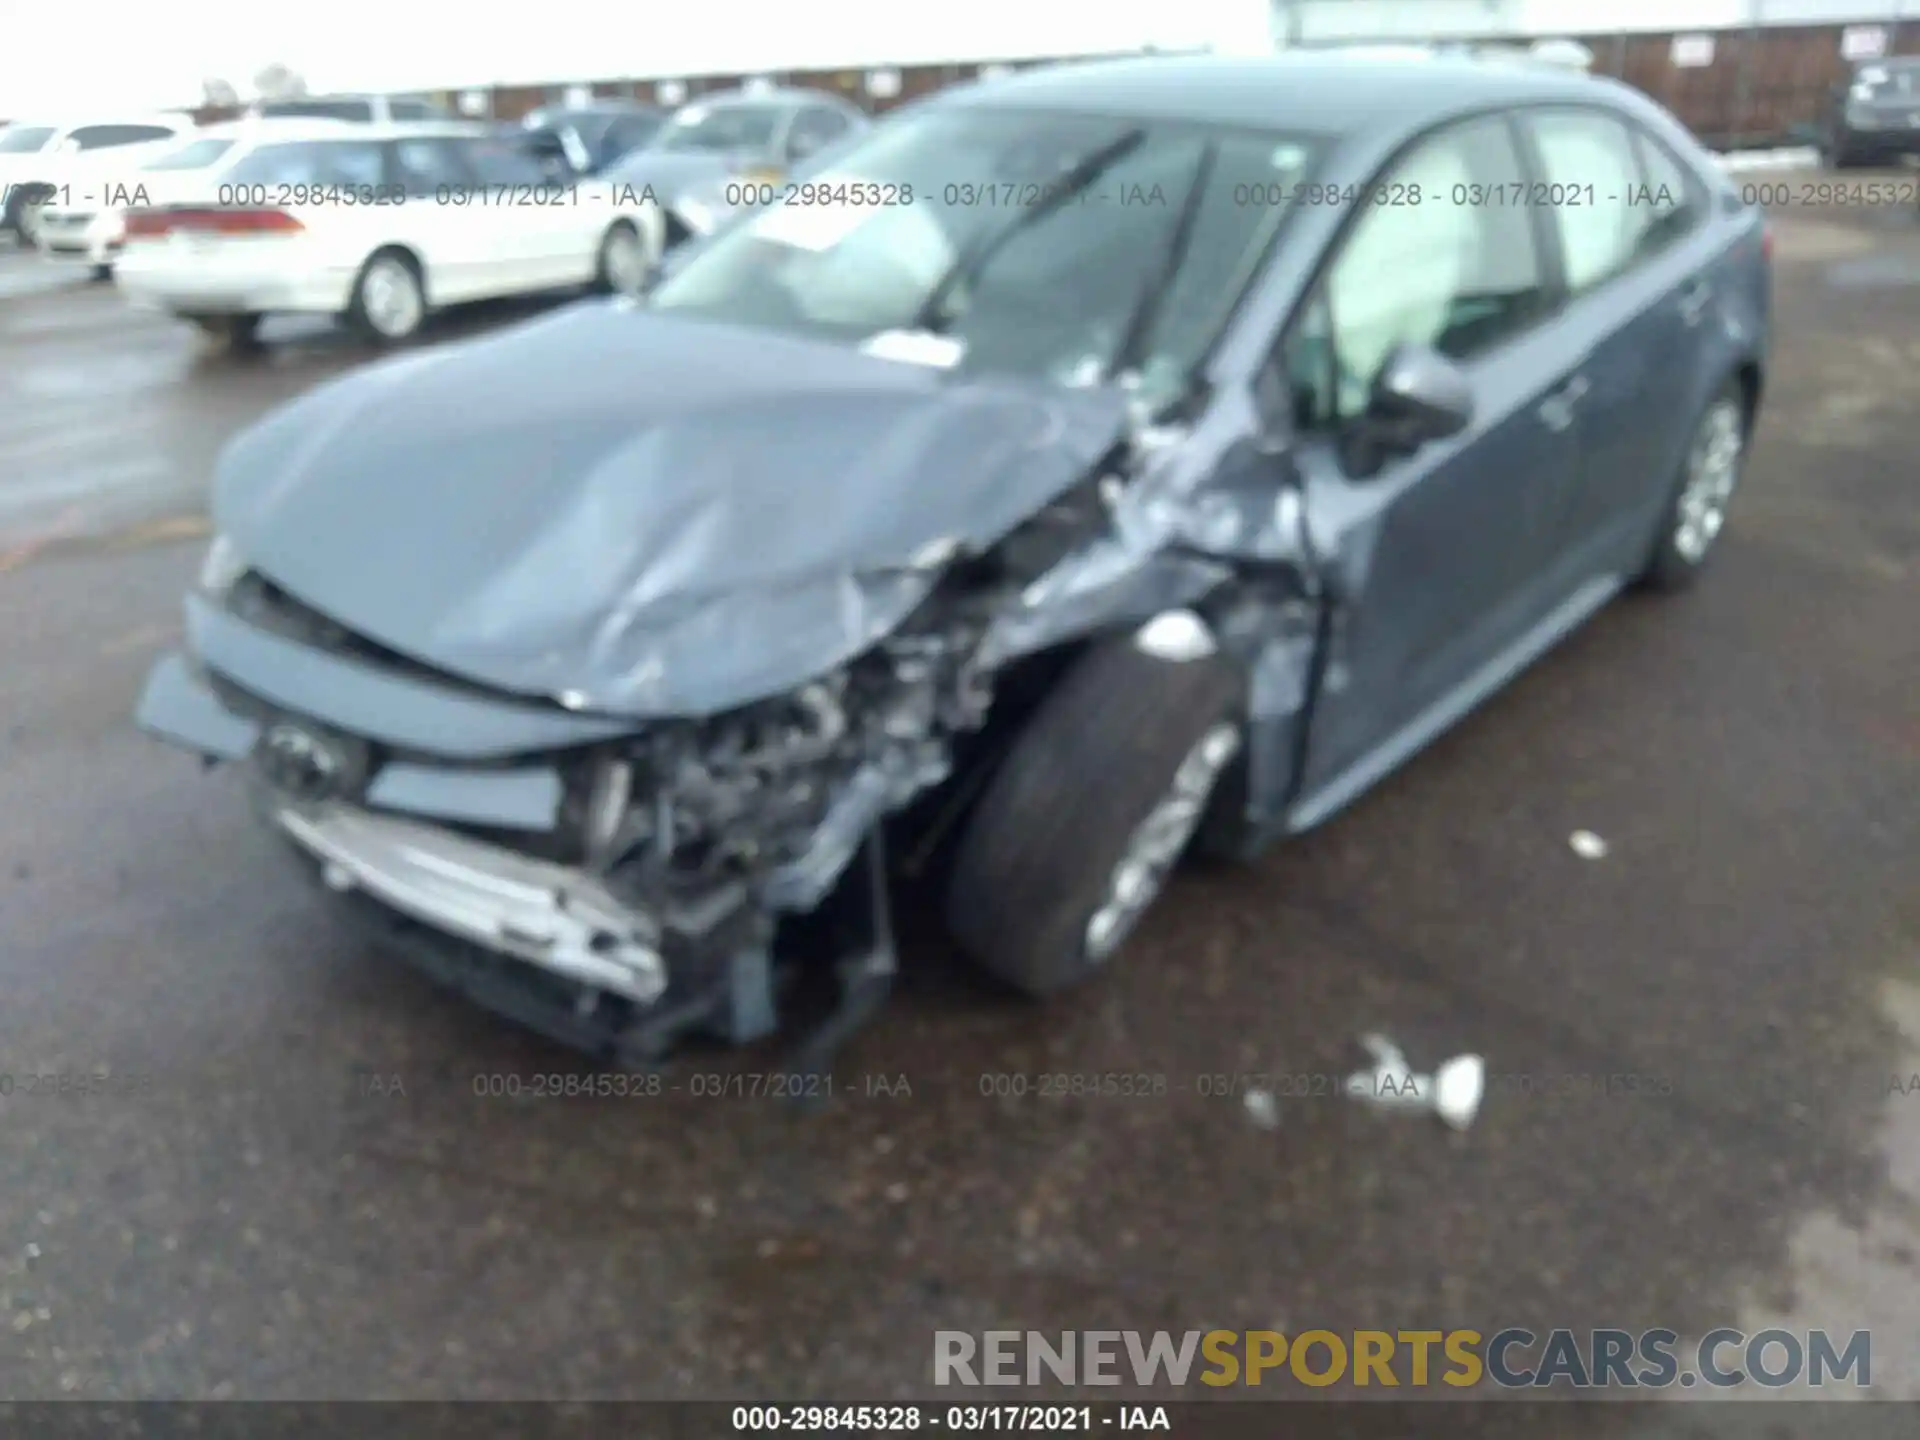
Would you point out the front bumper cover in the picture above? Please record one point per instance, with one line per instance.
(547, 945)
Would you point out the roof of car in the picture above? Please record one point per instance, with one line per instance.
(773, 95)
(1326, 93)
(282, 127)
(380, 130)
(611, 106)
(174, 119)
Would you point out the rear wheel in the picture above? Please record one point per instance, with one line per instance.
(1077, 833)
(389, 298)
(623, 264)
(1697, 511)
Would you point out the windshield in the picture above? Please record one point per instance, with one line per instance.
(1889, 78)
(194, 155)
(24, 139)
(720, 127)
(950, 220)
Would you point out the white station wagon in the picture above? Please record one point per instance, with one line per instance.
(381, 226)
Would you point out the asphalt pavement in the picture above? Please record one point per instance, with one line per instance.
(292, 1187)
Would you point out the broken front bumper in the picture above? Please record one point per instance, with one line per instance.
(547, 944)
(548, 915)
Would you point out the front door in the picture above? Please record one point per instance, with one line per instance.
(1433, 558)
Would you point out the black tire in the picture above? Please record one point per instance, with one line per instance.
(363, 317)
(101, 274)
(1837, 154)
(1671, 565)
(1046, 842)
(19, 199)
(227, 332)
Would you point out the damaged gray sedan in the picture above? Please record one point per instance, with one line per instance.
(1117, 459)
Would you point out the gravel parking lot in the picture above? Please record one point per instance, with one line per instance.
(296, 1192)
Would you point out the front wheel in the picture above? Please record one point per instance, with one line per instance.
(1077, 833)
(1697, 511)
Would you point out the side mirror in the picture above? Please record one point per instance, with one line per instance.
(1418, 396)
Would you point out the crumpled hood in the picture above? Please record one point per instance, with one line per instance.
(645, 514)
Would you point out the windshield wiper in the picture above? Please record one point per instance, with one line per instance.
(1067, 187)
(1153, 292)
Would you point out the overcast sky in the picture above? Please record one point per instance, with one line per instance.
(151, 56)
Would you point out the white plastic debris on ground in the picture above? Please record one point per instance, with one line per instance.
(1587, 845)
(1453, 1091)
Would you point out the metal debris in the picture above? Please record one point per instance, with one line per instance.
(1453, 1091)
(1587, 845)
(1263, 1109)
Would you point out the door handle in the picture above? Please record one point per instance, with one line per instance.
(1694, 301)
(1557, 409)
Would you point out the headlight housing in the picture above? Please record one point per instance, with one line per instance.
(222, 567)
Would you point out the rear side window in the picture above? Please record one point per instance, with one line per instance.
(1593, 176)
(102, 137)
(311, 163)
(1674, 199)
(413, 110)
(424, 165)
(359, 110)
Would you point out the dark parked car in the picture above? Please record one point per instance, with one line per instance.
(741, 138)
(1874, 117)
(357, 109)
(1143, 453)
(588, 138)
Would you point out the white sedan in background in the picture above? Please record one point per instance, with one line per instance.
(381, 227)
(86, 224)
(36, 158)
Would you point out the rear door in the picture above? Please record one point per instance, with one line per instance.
(1628, 221)
(1437, 556)
(444, 218)
(536, 230)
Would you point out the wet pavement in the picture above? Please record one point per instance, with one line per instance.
(290, 1188)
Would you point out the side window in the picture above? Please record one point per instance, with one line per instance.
(412, 110)
(101, 137)
(353, 164)
(629, 133)
(423, 164)
(501, 162)
(1593, 178)
(813, 130)
(1446, 259)
(1673, 199)
(310, 163)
